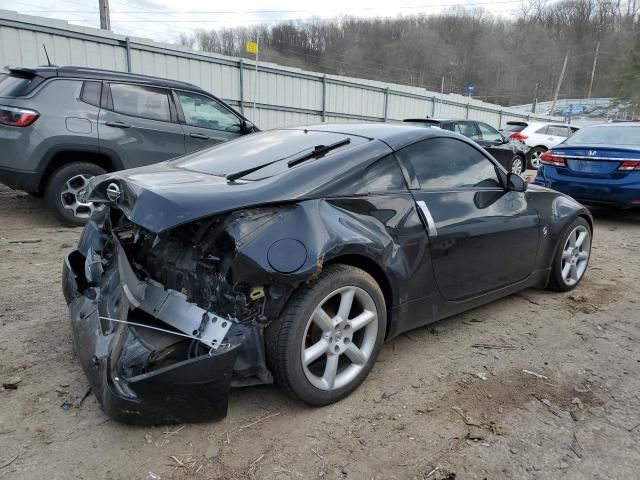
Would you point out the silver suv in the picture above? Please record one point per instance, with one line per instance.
(61, 126)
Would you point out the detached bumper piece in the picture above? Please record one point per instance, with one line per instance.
(150, 356)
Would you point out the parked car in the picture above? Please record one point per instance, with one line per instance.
(510, 155)
(600, 164)
(292, 255)
(61, 126)
(540, 137)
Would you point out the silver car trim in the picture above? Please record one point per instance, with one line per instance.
(432, 231)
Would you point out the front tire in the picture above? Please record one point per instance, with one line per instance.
(61, 192)
(327, 339)
(517, 165)
(572, 258)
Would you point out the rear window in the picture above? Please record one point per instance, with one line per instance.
(261, 148)
(599, 135)
(141, 101)
(514, 128)
(12, 85)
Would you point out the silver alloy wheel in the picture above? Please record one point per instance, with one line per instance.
(575, 255)
(70, 200)
(535, 158)
(517, 166)
(345, 322)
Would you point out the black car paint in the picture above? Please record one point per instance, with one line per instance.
(423, 278)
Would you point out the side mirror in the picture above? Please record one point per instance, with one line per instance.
(516, 183)
(247, 126)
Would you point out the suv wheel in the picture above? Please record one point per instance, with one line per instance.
(534, 157)
(61, 193)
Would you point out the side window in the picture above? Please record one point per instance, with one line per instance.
(488, 133)
(558, 131)
(200, 111)
(468, 129)
(384, 176)
(543, 130)
(447, 126)
(139, 101)
(442, 163)
(91, 92)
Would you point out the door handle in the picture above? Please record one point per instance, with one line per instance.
(199, 136)
(432, 231)
(117, 124)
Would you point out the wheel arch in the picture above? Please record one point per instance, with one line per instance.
(372, 268)
(61, 157)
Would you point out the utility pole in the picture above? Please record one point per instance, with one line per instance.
(564, 67)
(105, 18)
(535, 98)
(593, 70)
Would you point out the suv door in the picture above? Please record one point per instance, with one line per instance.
(138, 124)
(205, 121)
(493, 142)
(482, 237)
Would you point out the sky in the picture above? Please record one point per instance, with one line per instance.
(163, 20)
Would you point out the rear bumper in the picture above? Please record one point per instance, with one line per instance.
(24, 180)
(622, 192)
(113, 355)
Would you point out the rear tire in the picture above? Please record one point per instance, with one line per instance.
(572, 257)
(62, 188)
(323, 345)
(534, 157)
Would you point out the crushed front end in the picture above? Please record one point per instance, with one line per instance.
(164, 324)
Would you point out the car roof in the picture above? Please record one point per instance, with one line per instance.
(393, 134)
(99, 74)
(439, 120)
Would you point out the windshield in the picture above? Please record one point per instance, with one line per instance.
(606, 135)
(258, 149)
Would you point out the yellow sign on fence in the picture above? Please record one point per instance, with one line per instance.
(252, 47)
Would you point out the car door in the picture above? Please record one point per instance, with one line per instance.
(205, 121)
(482, 236)
(494, 143)
(138, 124)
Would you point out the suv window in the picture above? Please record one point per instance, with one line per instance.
(441, 163)
(543, 130)
(468, 129)
(558, 131)
(14, 85)
(200, 111)
(139, 101)
(488, 133)
(91, 93)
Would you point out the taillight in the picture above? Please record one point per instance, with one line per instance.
(628, 165)
(17, 117)
(548, 158)
(518, 136)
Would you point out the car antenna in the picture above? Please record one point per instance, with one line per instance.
(47, 55)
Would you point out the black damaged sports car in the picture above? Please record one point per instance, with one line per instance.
(291, 255)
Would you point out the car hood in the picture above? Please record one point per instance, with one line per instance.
(161, 196)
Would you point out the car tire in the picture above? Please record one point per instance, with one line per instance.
(62, 188)
(518, 165)
(572, 257)
(312, 324)
(534, 157)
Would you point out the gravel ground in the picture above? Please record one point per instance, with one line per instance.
(434, 407)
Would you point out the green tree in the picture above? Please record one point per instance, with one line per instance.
(627, 82)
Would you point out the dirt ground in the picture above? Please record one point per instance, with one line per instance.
(436, 405)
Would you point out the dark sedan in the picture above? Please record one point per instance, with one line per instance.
(510, 155)
(292, 255)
